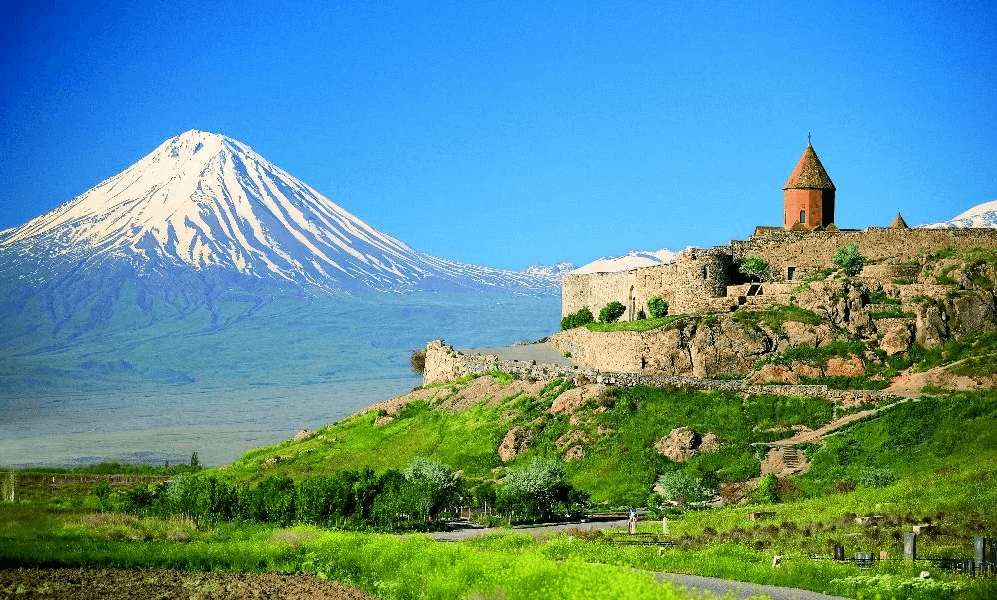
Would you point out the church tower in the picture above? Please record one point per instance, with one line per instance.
(808, 196)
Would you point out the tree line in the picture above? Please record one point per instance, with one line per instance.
(414, 498)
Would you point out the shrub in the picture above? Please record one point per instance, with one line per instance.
(103, 492)
(577, 319)
(612, 311)
(755, 266)
(682, 487)
(849, 259)
(843, 486)
(418, 361)
(768, 489)
(873, 477)
(657, 307)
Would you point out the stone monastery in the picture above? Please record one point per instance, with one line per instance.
(709, 280)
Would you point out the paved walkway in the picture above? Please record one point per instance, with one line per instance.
(463, 530)
(743, 590)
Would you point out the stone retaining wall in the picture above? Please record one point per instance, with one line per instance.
(444, 363)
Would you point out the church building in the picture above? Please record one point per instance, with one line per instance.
(808, 196)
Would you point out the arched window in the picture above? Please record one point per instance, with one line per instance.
(803, 216)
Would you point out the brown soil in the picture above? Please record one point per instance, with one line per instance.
(156, 584)
(910, 384)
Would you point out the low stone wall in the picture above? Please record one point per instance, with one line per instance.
(444, 363)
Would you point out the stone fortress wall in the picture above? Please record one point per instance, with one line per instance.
(445, 363)
(708, 280)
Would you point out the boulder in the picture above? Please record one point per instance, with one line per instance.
(682, 443)
(514, 442)
(897, 335)
(773, 372)
(930, 328)
(803, 334)
(971, 312)
(844, 367)
(710, 443)
(804, 369)
(574, 453)
(573, 399)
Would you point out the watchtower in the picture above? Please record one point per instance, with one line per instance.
(808, 196)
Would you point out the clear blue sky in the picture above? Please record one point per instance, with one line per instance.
(510, 133)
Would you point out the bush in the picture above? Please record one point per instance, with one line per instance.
(768, 489)
(682, 487)
(418, 361)
(849, 259)
(873, 477)
(612, 311)
(577, 319)
(657, 307)
(755, 266)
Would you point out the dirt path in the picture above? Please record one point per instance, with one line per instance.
(142, 584)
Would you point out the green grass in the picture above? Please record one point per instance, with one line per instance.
(775, 316)
(572, 565)
(641, 325)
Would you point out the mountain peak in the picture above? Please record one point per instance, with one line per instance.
(202, 200)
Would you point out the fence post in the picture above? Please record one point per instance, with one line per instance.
(910, 546)
(839, 553)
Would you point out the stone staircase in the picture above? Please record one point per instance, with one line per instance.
(792, 459)
(784, 461)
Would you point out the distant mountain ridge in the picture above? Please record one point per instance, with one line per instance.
(982, 215)
(202, 202)
(634, 259)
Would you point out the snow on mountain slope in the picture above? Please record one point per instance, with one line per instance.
(203, 201)
(635, 259)
(982, 215)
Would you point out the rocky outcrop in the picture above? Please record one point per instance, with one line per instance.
(574, 453)
(514, 442)
(683, 443)
(723, 344)
(573, 399)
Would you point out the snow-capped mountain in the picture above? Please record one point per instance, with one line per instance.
(982, 215)
(202, 202)
(634, 259)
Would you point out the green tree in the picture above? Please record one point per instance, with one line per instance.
(539, 490)
(193, 460)
(436, 484)
(612, 311)
(849, 259)
(577, 319)
(657, 307)
(755, 266)
(682, 487)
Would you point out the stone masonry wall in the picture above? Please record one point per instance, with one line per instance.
(448, 364)
(689, 284)
(812, 251)
(697, 280)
